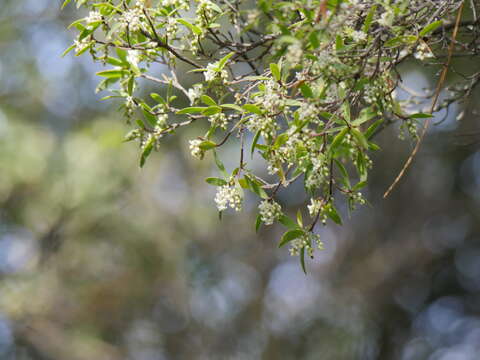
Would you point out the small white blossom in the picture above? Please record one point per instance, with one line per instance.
(219, 119)
(195, 92)
(386, 19)
(195, 149)
(93, 17)
(212, 73)
(295, 53)
(269, 211)
(307, 242)
(228, 196)
(359, 36)
(133, 19)
(82, 44)
(133, 57)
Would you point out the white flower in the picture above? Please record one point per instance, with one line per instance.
(306, 241)
(315, 207)
(195, 92)
(294, 53)
(386, 19)
(132, 19)
(195, 149)
(213, 73)
(228, 196)
(358, 35)
(81, 45)
(423, 52)
(269, 211)
(133, 57)
(219, 119)
(93, 17)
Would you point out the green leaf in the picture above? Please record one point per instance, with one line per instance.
(343, 170)
(333, 214)
(111, 74)
(211, 110)
(158, 98)
(401, 40)
(359, 185)
(371, 129)
(306, 90)
(280, 140)
(219, 164)
(65, 3)
(207, 145)
(207, 100)
(191, 110)
(430, 27)
(70, 48)
(195, 29)
(233, 107)
(302, 260)
(287, 222)
(215, 181)
(337, 140)
(256, 188)
(254, 142)
(360, 138)
(275, 71)
(299, 218)
(114, 61)
(420, 116)
(290, 235)
(147, 149)
(253, 109)
(215, 7)
(369, 19)
(152, 119)
(258, 223)
(223, 61)
(313, 38)
(339, 44)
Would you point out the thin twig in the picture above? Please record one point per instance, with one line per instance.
(434, 103)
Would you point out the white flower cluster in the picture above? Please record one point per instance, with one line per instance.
(308, 111)
(307, 242)
(195, 149)
(212, 73)
(82, 44)
(273, 99)
(228, 196)
(179, 4)
(133, 18)
(295, 53)
(265, 124)
(270, 211)
(423, 52)
(320, 172)
(220, 120)
(205, 10)
(410, 125)
(357, 198)
(358, 35)
(318, 208)
(93, 17)
(133, 57)
(195, 92)
(130, 104)
(386, 19)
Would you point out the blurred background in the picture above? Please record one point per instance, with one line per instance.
(101, 260)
